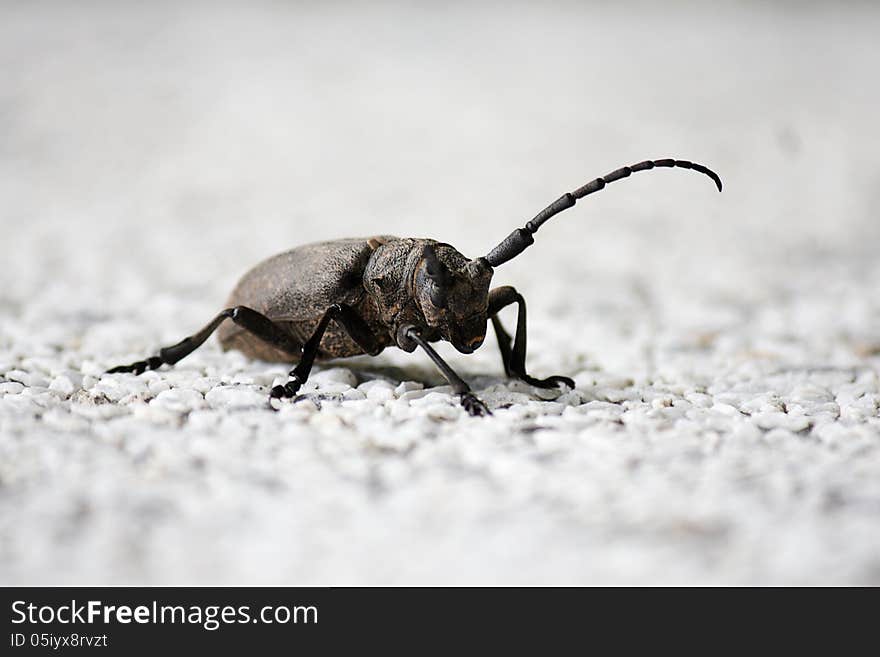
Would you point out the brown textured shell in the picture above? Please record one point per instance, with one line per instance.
(295, 288)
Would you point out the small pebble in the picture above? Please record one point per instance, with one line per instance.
(334, 376)
(353, 394)
(62, 384)
(179, 399)
(408, 386)
(441, 411)
(11, 388)
(30, 379)
(377, 390)
(410, 395)
(236, 397)
(157, 387)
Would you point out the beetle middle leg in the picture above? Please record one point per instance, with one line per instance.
(470, 402)
(250, 320)
(353, 324)
(515, 358)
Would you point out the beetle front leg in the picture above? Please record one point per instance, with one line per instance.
(353, 324)
(515, 359)
(471, 403)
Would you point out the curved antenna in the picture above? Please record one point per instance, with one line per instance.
(521, 238)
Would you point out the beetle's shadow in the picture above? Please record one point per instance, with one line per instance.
(366, 370)
(371, 371)
(426, 374)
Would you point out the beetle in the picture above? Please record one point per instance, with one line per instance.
(348, 297)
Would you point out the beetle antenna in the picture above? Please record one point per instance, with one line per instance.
(521, 238)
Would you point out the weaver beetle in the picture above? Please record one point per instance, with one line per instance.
(357, 296)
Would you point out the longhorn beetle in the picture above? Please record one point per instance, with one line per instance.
(357, 296)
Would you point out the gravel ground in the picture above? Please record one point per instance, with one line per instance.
(725, 426)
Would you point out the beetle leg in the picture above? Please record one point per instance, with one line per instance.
(470, 402)
(515, 359)
(250, 320)
(353, 324)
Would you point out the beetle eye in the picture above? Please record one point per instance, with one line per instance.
(437, 295)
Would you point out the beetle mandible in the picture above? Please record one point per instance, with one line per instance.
(357, 296)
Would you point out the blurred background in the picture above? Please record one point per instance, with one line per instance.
(150, 153)
(170, 145)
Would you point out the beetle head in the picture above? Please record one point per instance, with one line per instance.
(453, 294)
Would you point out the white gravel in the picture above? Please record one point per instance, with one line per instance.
(726, 423)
